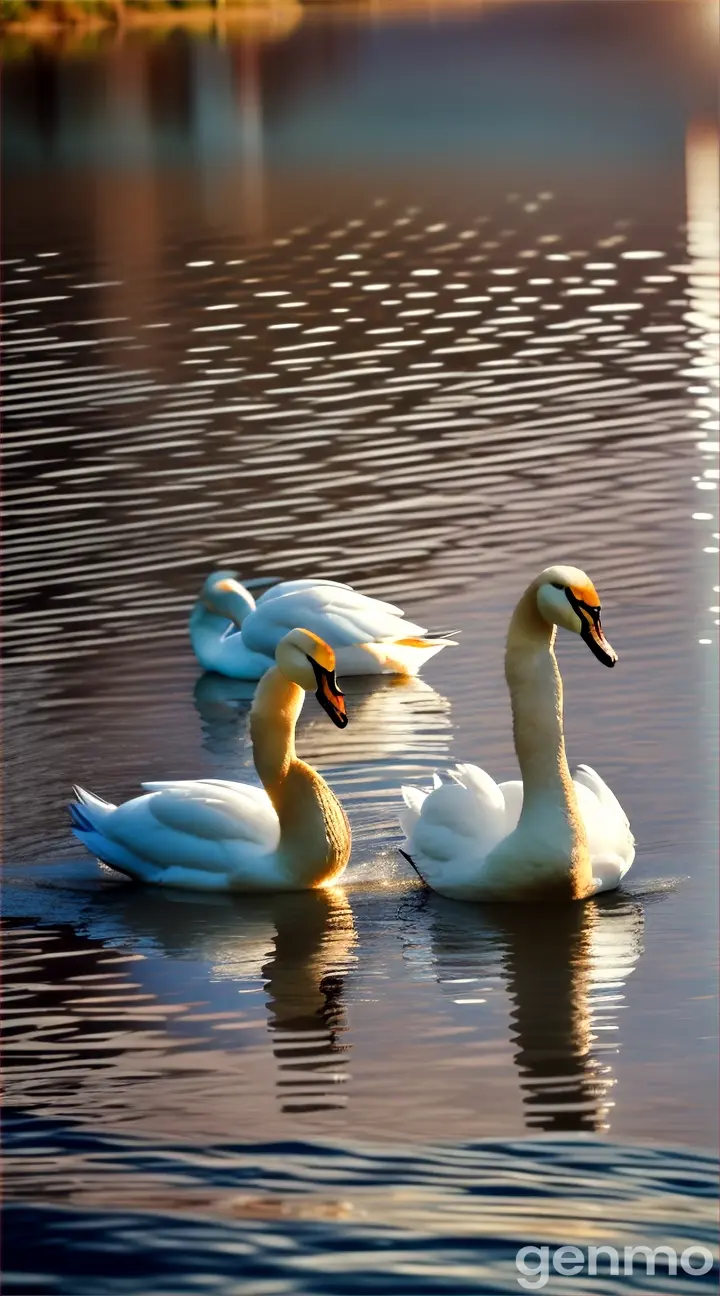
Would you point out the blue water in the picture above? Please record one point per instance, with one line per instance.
(317, 1217)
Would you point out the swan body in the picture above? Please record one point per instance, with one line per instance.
(236, 636)
(214, 835)
(548, 836)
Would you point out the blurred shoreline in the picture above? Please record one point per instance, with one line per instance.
(35, 21)
(30, 21)
(53, 19)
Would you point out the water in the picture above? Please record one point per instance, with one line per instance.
(422, 304)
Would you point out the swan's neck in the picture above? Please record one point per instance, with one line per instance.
(533, 678)
(550, 814)
(204, 621)
(314, 834)
(273, 717)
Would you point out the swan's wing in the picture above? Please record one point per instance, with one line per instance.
(339, 615)
(607, 826)
(455, 826)
(195, 833)
(591, 779)
(293, 586)
(513, 797)
(413, 798)
(215, 810)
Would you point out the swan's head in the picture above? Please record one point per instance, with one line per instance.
(223, 594)
(308, 661)
(567, 597)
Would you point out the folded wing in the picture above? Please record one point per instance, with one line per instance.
(340, 615)
(452, 829)
(207, 826)
(606, 824)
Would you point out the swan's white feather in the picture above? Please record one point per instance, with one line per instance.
(209, 817)
(587, 776)
(305, 583)
(450, 832)
(209, 834)
(512, 793)
(217, 809)
(413, 798)
(608, 872)
(340, 615)
(226, 653)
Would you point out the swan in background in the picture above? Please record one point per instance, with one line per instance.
(233, 635)
(549, 837)
(211, 834)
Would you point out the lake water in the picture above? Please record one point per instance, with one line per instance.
(422, 303)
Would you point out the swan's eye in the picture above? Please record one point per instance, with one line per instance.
(557, 585)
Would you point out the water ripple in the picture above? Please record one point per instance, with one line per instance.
(313, 1217)
(156, 472)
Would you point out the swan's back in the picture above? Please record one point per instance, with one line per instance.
(336, 613)
(453, 829)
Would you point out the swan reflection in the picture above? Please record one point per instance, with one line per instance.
(215, 976)
(564, 969)
(389, 716)
(223, 706)
(298, 946)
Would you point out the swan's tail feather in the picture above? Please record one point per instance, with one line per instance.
(88, 816)
(92, 802)
(78, 819)
(87, 827)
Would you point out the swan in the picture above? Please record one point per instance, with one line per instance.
(213, 835)
(233, 635)
(549, 836)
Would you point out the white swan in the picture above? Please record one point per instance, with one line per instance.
(215, 835)
(549, 836)
(233, 635)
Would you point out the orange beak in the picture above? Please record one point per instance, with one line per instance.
(328, 694)
(591, 630)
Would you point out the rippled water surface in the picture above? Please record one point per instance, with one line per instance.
(422, 305)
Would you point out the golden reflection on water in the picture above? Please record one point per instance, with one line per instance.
(563, 971)
(187, 1011)
(703, 239)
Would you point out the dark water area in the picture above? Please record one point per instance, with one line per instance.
(420, 304)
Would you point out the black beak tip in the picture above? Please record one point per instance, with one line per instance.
(607, 658)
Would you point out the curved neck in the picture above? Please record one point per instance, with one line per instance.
(314, 838)
(536, 695)
(207, 611)
(204, 618)
(273, 717)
